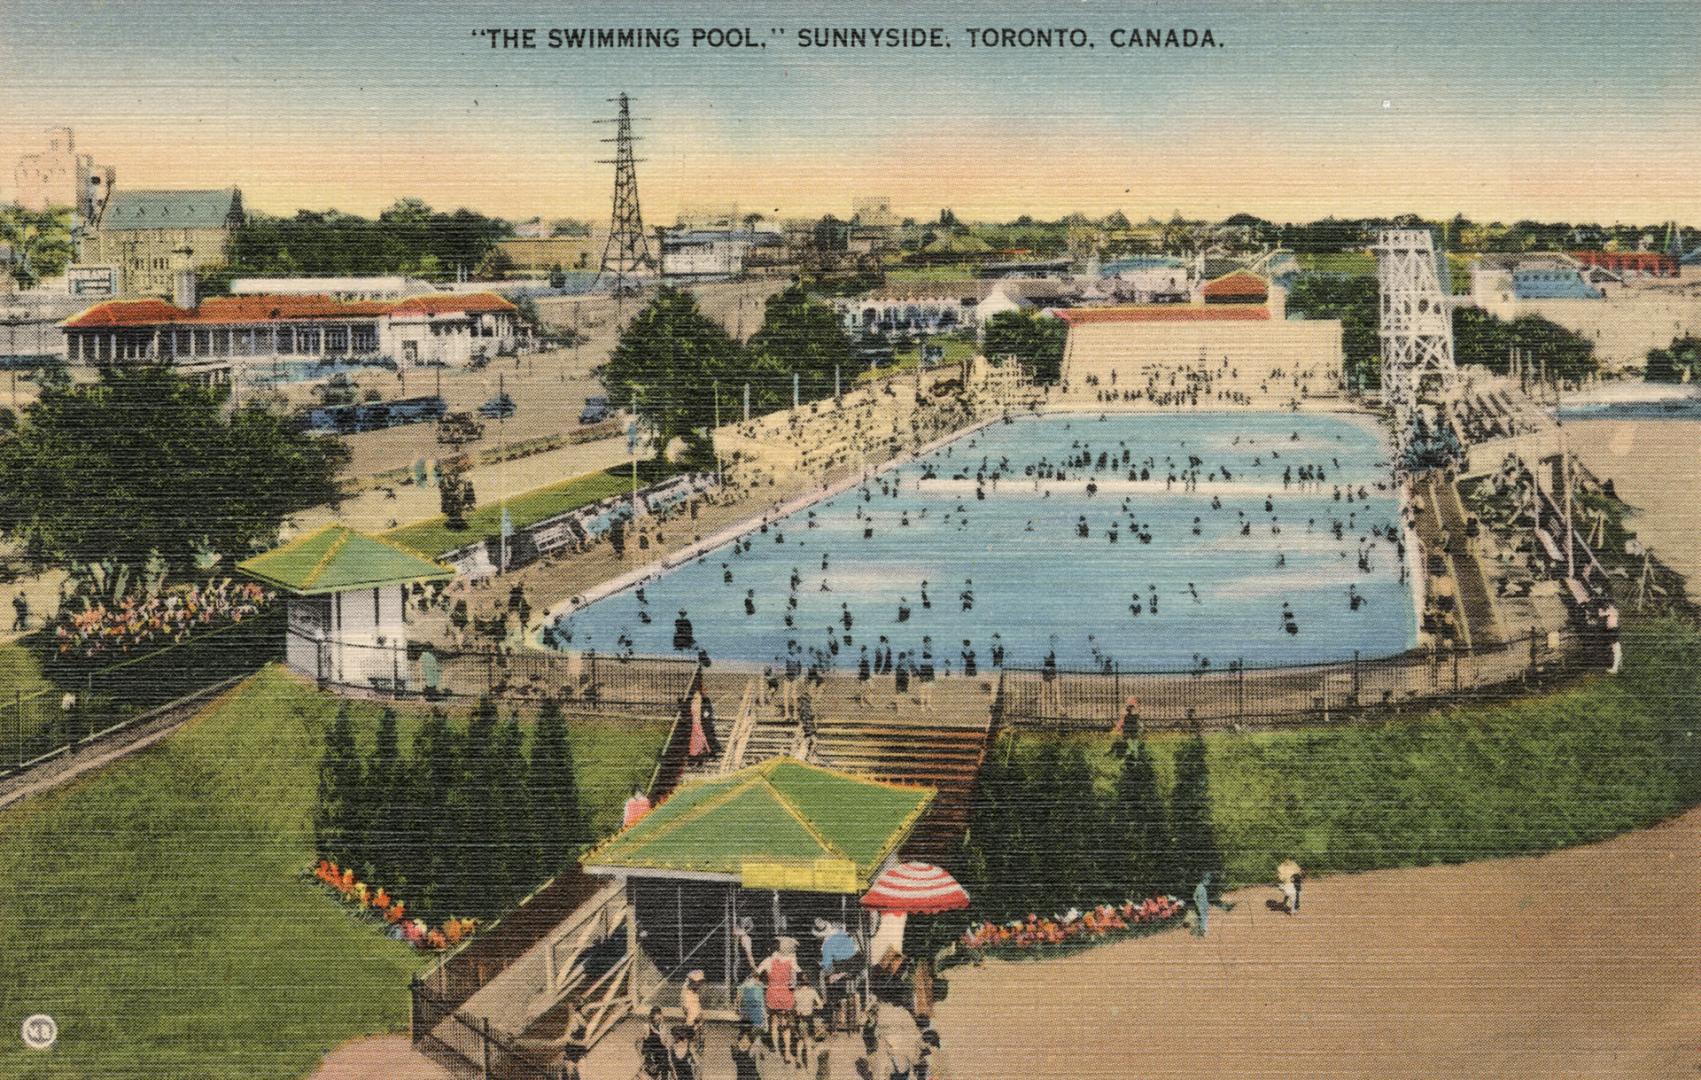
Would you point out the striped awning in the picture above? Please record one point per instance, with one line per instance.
(915, 888)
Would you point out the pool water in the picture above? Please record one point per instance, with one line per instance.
(998, 515)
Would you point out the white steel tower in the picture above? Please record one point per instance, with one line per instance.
(1415, 327)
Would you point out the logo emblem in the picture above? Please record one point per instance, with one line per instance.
(40, 1031)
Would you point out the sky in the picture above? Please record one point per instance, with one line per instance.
(1557, 111)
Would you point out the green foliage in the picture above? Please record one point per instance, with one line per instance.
(1193, 837)
(1677, 363)
(1353, 300)
(1139, 827)
(408, 238)
(1480, 338)
(666, 362)
(558, 828)
(1035, 341)
(40, 242)
(143, 459)
(798, 335)
(335, 818)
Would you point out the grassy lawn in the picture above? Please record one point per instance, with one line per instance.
(957, 350)
(1360, 264)
(931, 272)
(20, 672)
(1452, 785)
(434, 537)
(154, 908)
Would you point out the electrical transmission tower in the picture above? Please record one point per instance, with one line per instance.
(1416, 327)
(628, 249)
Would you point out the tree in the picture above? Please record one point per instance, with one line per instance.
(798, 335)
(558, 830)
(382, 793)
(478, 891)
(454, 493)
(1193, 835)
(1352, 300)
(512, 854)
(1034, 340)
(428, 821)
(40, 242)
(143, 459)
(1139, 826)
(1072, 861)
(1680, 362)
(666, 362)
(1482, 339)
(339, 782)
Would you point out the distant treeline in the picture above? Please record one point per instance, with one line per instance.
(408, 238)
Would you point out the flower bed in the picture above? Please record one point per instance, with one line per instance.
(367, 902)
(168, 618)
(1027, 935)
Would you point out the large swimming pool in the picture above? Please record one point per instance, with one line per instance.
(1254, 532)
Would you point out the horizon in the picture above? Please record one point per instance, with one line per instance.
(1301, 114)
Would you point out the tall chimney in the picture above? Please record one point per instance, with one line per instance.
(183, 291)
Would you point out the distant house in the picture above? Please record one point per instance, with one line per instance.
(1236, 287)
(442, 328)
(711, 254)
(380, 287)
(151, 235)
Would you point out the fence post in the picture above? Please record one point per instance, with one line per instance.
(1116, 687)
(484, 1044)
(18, 713)
(489, 673)
(1355, 677)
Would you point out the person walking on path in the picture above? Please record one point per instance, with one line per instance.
(780, 968)
(1202, 904)
(21, 612)
(1289, 876)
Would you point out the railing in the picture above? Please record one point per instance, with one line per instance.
(88, 704)
(582, 680)
(470, 1046)
(739, 737)
(482, 1032)
(1237, 695)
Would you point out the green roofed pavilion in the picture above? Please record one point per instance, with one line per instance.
(337, 558)
(782, 825)
(348, 606)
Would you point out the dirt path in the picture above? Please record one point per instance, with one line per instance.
(380, 1057)
(1578, 964)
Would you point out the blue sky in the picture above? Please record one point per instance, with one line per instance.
(1582, 111)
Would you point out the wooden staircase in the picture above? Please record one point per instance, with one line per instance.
(946, 758)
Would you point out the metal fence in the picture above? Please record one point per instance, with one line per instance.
(87, 703)
(1237, 695)
(469, 1046)
(584, 680)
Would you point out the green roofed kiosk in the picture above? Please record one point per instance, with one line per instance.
(347, 603)
(779, 844)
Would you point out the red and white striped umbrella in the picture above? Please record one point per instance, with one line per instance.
(915, 888)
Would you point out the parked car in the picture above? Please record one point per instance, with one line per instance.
(458, 427)
(596, 410)
(499, 407)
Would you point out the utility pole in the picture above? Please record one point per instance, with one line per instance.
(628, 248)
